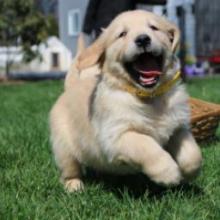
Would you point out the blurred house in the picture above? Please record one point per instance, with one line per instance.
(55, 59)
(198, 20)
(71, 15)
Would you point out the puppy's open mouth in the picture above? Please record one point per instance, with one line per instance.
(146, 69)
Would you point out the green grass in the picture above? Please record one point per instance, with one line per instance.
(29, 180)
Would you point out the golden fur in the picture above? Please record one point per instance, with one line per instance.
(95, 123)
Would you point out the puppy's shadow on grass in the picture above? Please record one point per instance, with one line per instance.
(209, 142)
(138, 186)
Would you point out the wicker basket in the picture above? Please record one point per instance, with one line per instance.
(205, 118)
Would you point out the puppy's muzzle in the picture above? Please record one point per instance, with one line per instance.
(147, 65)
(143, 41)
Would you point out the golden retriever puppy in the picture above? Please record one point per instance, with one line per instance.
(125, 110)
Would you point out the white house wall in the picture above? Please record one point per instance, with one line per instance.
(53, 45)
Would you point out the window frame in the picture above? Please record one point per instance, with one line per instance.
(71, 14)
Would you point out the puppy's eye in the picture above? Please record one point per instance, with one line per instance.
(154, 28)
(122, 34)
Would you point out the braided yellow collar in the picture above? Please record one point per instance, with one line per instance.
(159, 91)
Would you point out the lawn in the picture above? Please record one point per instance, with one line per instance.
(29, 180)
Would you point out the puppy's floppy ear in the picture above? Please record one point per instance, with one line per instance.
(174, 36)
(92, 54)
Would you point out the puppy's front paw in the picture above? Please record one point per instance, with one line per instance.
(166, 173)
(190, 165)
(169, 176)
(73, 185)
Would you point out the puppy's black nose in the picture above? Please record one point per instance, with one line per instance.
(143, 40)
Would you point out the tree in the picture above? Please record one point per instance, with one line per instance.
(22, 25)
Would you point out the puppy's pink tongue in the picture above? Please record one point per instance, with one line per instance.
(148, 80)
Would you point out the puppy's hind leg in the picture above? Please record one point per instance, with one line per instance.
(63, 148)
(70, 168)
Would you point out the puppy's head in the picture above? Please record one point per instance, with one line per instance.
(137, 47)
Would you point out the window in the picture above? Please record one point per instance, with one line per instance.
(55, 60)
(74, 22)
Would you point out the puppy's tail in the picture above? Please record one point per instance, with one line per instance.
(73, 73)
